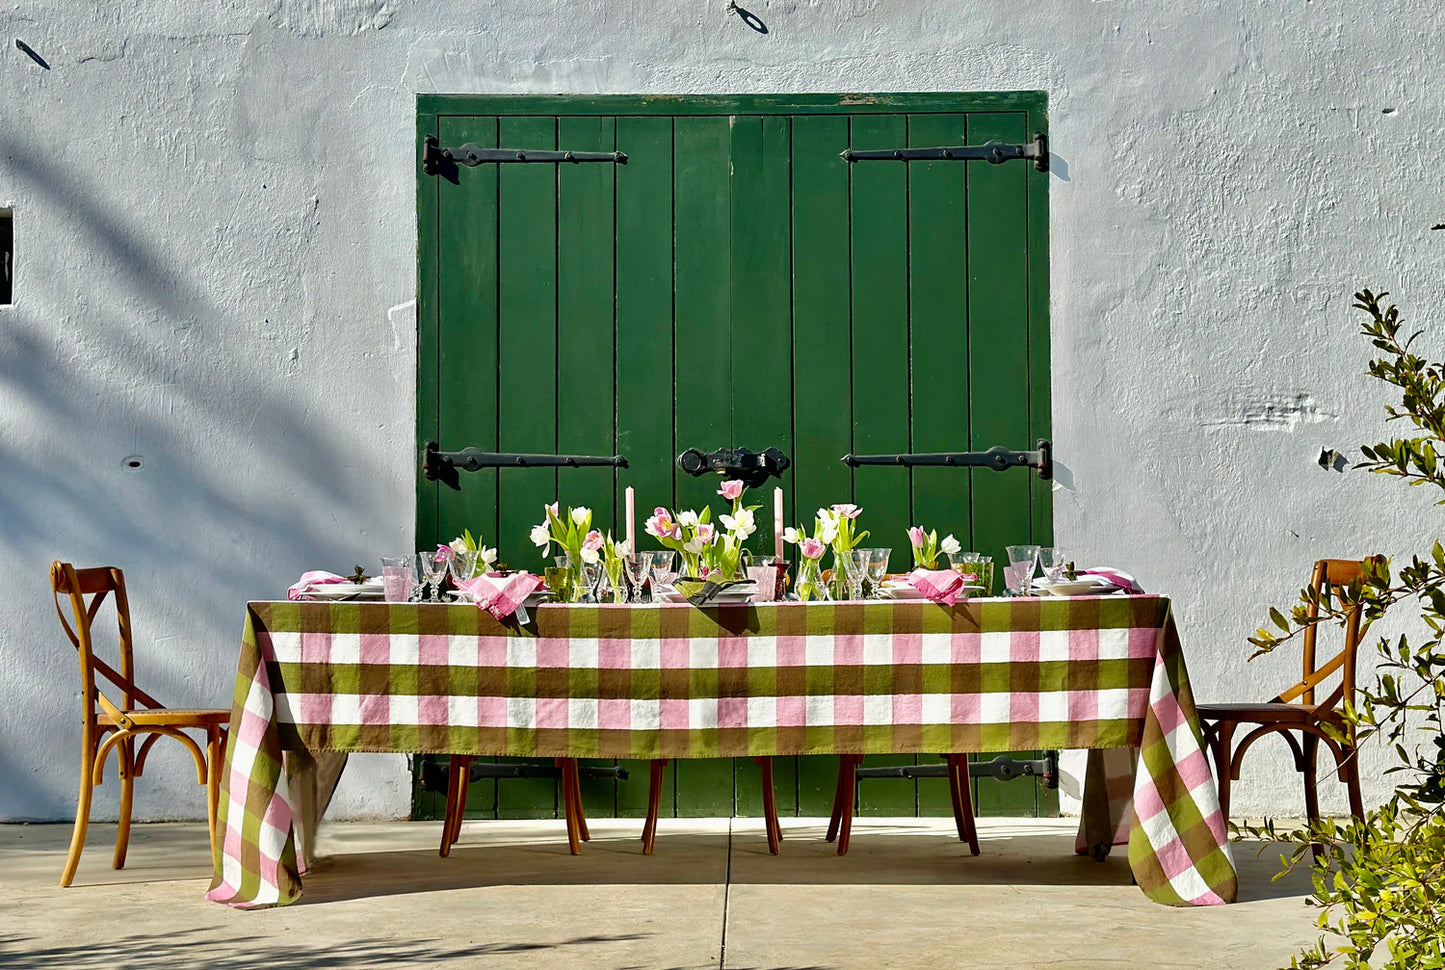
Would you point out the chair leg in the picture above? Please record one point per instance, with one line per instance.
(215, 764)
(961, 790)
(1220, 744)
(82, 813)
(574, 836)
(457, 783)
(1352, 782)
(1310, 746)
(770, 807)
(654, 805)
(849, 787)
(838, 801)
(125, 769)
(575, 806)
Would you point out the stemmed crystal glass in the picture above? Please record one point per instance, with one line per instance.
(855, 569)
(1022, 561)
(462, 566)
(663, 572)
(636, 567)
(431, 572)
(877, 572)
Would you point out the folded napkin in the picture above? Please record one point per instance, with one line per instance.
(316, 577)
(701, 592)
(501, 595)
(1114, 578)
(940, 585)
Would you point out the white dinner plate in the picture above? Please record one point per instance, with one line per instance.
(733, 594)
(1080, 588)
(346, 591)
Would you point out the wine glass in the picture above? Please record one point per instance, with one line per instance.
(855, 569)
(636, 566)
(663, 571)
(462, 566)
(1018, 574)
(431, 572)
(878, 571)
(1053, 560)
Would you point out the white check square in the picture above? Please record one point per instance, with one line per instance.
(345, 648)
(521, 712)
(403, 709)
(702, 712)
(762, 711)
(762, 652)
(937, 708)
(345, 708)
(521, 652)
(819, 710)
(937, 648)
(993, 647)
(1113, 644)
(993, 708)
(582, 712)
(878, 709)
(1053, 645)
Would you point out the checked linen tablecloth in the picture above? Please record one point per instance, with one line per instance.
(674, 681)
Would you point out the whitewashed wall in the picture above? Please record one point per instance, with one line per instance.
(214, 213)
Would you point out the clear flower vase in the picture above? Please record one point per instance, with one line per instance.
(810, 585)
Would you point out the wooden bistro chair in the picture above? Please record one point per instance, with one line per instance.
(459, 779)
(954, 767)
(137, 717)
(1297, 710)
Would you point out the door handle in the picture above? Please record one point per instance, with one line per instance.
(998, 458)
(749, 467)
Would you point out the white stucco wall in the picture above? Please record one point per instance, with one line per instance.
(214, 213)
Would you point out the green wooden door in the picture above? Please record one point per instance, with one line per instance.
(736, 283)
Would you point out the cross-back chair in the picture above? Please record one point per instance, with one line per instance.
(1296, 710)
(131, 725)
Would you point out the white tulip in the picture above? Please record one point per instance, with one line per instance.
(488, 556)
(687, 518)
(541, 535)
(790, 534)
(949, 545)
(458, 545)
(743, 523)
(622, 549)
(693, 546)
(589, 556)
(828, 533)
(581, 514)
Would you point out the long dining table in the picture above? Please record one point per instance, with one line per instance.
(317, 680)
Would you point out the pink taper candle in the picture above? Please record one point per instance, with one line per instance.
(631, 521)
(778, 522)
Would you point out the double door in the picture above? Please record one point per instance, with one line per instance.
(735, 283)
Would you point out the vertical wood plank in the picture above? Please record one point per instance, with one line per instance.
(822, 407)
(644, 350)
(999, 373)
(428, 191)
(702, 179)
(528, 360)
(762, 347)
(466, 351)
(880, 373)
(1040, 398)
(586, 341)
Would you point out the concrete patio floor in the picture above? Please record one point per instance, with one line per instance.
(908, 895)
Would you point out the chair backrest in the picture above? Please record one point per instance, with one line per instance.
(1330, 575)
(75, 586)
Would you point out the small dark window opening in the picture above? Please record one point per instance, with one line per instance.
(7, 256)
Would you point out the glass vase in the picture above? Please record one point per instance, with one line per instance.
(810, 584)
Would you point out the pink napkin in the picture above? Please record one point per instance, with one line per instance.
(1115, 578)
(940, 585)
(316, 577)
(501, 595)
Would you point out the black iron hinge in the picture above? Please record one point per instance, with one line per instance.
(994, 152)
(434, 157)
(442, 466)
(998, 458)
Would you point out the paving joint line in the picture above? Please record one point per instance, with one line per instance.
(722, 953)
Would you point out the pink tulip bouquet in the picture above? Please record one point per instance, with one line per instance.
(810, 585)
(927, 547)
(840, 525)
(708, 552)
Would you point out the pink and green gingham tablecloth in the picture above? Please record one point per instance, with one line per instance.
(673, 681)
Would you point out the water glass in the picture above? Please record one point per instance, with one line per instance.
(1022, 561)
(877, 572)
(431, 573)
(636, 567)
(977, 566)
(1052, 560)
(398, 576)
(663, 571)
(462, 566)
(855, 570)
(771, 576)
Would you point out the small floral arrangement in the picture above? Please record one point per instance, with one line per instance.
(571, 533)
(708, 552)
(839, 521)
(686, 532)
(927, 547)
(486, 556)
(614, 553)
(810, 585)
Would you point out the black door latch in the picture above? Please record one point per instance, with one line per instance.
(749, 467)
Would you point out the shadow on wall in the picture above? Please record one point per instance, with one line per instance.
(185, 949)
(239, 484)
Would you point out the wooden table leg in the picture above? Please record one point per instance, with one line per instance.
(837, 817)
(848, 786)
(654, 805)
(574, 839)
(770, 806)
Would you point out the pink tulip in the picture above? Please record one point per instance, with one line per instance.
(731, 490)
(848, 511)
(812, 548)
(916, 535)
(660, 524)
(706, 531)
(593, 542)
(661, 512)
(443, 554)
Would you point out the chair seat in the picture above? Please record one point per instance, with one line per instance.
(1269, 712)
(171, 717)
